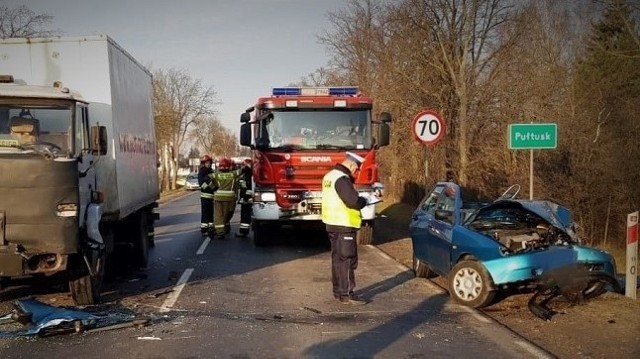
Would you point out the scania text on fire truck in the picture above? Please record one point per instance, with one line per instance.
(297, 135)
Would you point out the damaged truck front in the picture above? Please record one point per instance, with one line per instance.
(78, 174)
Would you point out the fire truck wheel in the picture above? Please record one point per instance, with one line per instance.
(260, 234)
(85, 285)
(365, 233)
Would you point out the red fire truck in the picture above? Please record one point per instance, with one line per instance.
(297, 135)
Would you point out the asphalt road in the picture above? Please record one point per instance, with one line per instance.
(228, 299)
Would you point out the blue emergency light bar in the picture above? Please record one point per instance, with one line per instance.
(315, 91)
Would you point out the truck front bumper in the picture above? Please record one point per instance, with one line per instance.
(14, 262)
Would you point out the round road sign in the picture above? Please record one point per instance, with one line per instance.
(428, 127)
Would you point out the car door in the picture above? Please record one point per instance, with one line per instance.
(439, 228)
(421, 221)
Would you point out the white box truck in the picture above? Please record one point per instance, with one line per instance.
(78, 162)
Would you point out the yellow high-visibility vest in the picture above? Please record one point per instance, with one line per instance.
(334, 211)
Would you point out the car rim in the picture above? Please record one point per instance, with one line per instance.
(467, 284)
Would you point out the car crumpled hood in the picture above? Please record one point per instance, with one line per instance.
(557, 215)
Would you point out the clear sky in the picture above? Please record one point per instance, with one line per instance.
(241, 48)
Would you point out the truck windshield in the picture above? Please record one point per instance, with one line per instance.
(315, 130)
(31, 127)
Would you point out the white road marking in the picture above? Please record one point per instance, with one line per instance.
(173, 296)
(204, 245)
(533, 350)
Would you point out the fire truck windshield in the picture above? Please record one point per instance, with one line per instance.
(311, 130)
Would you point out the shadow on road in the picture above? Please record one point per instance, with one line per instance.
(371, 343)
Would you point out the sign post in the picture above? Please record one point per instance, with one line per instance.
(532, 136)
(631, 281)
(428, 128)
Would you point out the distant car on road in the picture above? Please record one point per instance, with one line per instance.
(484, 248)
(191, 183)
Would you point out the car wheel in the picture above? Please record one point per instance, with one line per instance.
(421, 269)
(470, 284)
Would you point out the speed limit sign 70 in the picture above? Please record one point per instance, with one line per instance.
(428, 127)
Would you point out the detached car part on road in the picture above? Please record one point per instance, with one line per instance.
(485, 248)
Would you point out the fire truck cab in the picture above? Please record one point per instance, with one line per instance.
(297, 135)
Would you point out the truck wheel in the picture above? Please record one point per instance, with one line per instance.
(151, 235)
(84, 285)
(260, 234)
(365, 233)
(421, 269)
(470, 284)
(140, 240)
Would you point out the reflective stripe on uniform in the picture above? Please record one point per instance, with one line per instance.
(206, 195)
(244, 225)
(224, 195)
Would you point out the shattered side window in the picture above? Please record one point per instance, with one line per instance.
(431, 200)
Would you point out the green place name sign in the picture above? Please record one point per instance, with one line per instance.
(533, 136)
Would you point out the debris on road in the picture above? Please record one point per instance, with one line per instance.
(158, 294)
(45, 320)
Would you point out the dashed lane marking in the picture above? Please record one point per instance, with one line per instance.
(173, 296)
(203, 246)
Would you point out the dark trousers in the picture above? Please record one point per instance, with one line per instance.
(344, 261)
(245, 218)
(206, 215)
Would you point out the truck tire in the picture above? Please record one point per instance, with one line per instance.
(83, 284)
(365, 233)
(151, 235)
(140, 236)
(260, 234)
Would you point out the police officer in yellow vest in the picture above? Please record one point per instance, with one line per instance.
(341, 213)
(225, 182)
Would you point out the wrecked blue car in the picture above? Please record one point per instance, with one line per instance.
(505, 245)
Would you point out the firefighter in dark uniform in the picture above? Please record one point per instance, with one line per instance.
(225, 183)
(246, 198)
(206, 194)
(341, 214)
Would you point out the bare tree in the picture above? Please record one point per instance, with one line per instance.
(23, 22)
(180, 103)
(214, 138)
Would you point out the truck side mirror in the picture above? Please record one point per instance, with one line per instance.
(383, 135)
(385, 117)
(99, 140)
(383, 129)
(245, 117)
(245, 134)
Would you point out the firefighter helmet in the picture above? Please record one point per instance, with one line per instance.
(225, 164)
(206, 158)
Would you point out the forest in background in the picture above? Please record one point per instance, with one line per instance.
(485, 64)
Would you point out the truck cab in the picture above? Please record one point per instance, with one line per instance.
(297, 135)
(49, 213)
